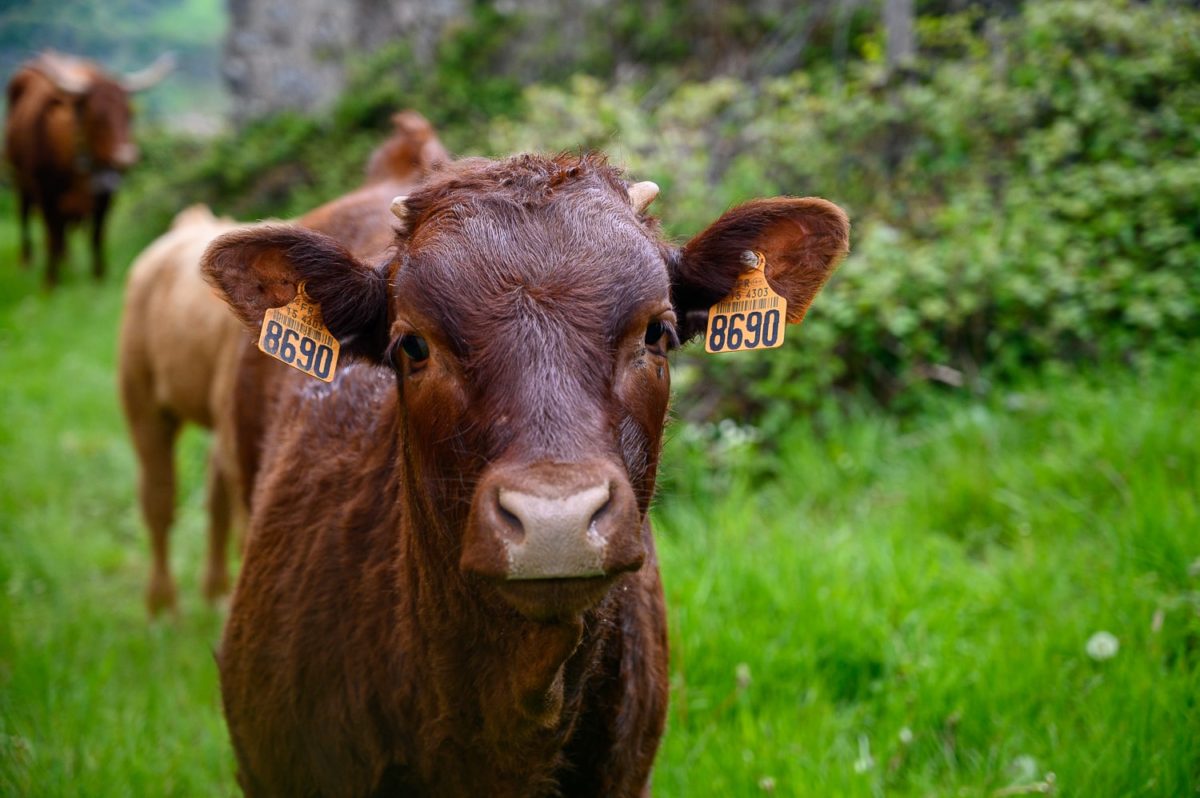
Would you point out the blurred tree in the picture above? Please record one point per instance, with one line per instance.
(901, 36)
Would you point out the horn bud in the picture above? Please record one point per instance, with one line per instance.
(642, 194)
(400, 209)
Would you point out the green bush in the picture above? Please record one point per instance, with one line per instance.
(1030, 195)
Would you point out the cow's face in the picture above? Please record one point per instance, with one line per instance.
(527, 317)
(106, 118)
(529, 327)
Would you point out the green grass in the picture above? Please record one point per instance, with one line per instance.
(938, 581)
(867, 606)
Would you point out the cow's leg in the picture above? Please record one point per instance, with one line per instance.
(99, 211)
(56, 239)
(154, 439)
(24, 202)
(220, 514)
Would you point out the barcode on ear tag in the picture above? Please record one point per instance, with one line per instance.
(296, 335)
(752, 316)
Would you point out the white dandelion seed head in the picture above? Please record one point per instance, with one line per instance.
(1024, 768)
(1102, 646)
(742, 674)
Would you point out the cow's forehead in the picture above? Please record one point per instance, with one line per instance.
(588, 261)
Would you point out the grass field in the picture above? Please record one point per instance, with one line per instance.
(866, 607)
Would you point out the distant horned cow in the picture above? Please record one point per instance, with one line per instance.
(451, 586)
(68, 139)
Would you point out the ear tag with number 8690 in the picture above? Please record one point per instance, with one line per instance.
(752, 316)
(296, 335)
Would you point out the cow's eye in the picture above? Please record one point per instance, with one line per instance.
(415, 347)
(660, 336)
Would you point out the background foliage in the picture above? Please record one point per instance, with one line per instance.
(1030, 196)
(127, 35)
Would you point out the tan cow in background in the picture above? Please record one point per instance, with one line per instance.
(180, 350)
(176, 346)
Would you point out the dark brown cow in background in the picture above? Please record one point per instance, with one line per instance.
(451, 586)
(68, 139)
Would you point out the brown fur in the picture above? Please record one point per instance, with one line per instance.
(374, 646)
(184, 358)
(362, 224)
(66, 150)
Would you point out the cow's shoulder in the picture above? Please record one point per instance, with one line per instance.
(331, 426)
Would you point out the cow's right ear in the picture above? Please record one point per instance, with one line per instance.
(261, 267)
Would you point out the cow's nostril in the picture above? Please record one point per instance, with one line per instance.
(508, 517)
(595, 519)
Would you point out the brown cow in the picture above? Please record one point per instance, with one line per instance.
(67, 137)
(413, 145)
(451, 587)
(181, 348)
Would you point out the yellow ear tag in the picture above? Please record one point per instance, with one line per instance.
(752, 316)
(296, 335)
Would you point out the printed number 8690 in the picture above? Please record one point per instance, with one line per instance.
(743, 331)
(308, 355)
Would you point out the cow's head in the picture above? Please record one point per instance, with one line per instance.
(106, 115)
(527, 315)
(102, 108)
(412, 150)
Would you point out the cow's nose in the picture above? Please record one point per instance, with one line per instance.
(554, 521)
(126, 155)
(559, 537)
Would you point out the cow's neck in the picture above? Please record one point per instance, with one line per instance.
(519, 671)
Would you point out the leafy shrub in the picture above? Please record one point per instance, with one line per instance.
(1030, 197)
(1034, 198)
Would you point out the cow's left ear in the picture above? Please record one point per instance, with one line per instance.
(802, 239)
(262, 267)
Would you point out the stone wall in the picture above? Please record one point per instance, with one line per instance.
(293, 54)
